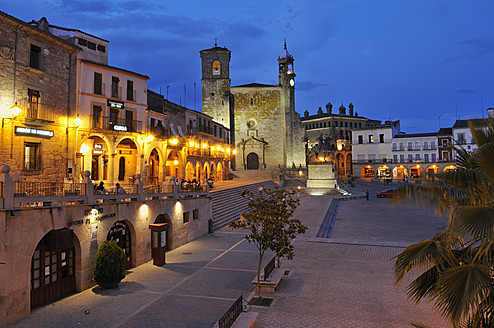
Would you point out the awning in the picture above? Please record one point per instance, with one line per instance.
(180, 131)
(172, 129)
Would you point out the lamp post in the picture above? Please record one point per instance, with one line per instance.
(77, 122)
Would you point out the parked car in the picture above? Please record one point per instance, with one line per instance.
(388, 193)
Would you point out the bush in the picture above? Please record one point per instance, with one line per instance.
(109, 263)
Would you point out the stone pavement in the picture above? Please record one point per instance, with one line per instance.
(345, 281)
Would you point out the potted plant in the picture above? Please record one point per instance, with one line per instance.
(109, 264)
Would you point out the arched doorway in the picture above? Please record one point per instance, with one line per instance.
(416, 172)
(198, 171)
(173, 165)
(165, 218)
(431, 171)
(212, 175)
(127, 159)
(53, 268)
(367, 172)
(252, 161)
(120, 232)
(205, 172)
(383, 172)
(189, 171)
(349, 169)
(449, 168)
(400, 172)
(94, 153)
(219, 172)
(340, 166)
(153, 168)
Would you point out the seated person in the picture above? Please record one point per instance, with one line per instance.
(119, 189)
(100, 188)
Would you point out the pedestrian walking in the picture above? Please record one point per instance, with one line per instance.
(367, 194)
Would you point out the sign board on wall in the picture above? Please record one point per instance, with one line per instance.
(32, 132)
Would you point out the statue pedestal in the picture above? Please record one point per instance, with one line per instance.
(321, 179)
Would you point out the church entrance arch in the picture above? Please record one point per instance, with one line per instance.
(349, 168)
(252, 161)
(120, 232)
(53, 268)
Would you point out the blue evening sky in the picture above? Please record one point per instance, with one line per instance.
(422, 62)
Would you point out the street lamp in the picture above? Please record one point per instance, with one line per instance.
(15, 110)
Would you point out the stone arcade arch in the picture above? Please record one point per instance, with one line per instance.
(367, 172)
(173, 165)
(154, 168)
(95, 152)
(205, 172)
(349, 168)
(416, 172)
(126, 160)
(219, 172)
(189, 171)
(53, 267)
(431, 170)
(400, 172)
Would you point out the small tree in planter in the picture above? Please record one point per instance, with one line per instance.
(270, 224)
(109, 264)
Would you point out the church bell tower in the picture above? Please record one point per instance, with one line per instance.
(286, 74)
(217, 101)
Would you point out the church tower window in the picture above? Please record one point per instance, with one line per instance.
(216, 68)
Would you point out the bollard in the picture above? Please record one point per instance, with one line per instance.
(210, 226)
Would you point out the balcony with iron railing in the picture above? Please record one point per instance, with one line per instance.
(33, 112)
(115, 91)
(21, 194)
(115, 124)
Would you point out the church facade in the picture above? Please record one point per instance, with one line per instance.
(265, 128)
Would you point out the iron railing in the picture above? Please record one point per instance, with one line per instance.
(232, 314)
(33, 189)
(107, 123)
(268, 269)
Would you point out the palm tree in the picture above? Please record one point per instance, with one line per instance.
(456, 266)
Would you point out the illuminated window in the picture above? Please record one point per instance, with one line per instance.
(32, 156)
(216, 68)
(371, 138)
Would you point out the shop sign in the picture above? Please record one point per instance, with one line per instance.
(98, 146)
(115, 104)
(32, 132)
(120, 127)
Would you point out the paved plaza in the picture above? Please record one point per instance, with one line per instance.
(343, 281)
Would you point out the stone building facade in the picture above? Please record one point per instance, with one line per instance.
(265, 128)
(38, 74)
(336, 129)
(49, 247)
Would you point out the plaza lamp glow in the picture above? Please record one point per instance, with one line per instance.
(191, 144)
(15, 110)
(175, 162)
(149, 138)
(174, 141)
(84, 148)
(218, 148)
(234, 152)
(77, 121)
(228, 150)
(204, 146)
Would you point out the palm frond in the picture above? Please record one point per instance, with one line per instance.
(460, 289)
(423, 286)
(420, 256)
(485, 155)
(477, 221)
(420, 325)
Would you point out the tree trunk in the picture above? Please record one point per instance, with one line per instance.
(261, 254)
(278, 260)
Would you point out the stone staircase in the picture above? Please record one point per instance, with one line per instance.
(228, 204)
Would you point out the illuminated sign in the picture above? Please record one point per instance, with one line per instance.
(115, 104)
(32, 132)
(98, 146)
(120, 127)
(97, 152)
